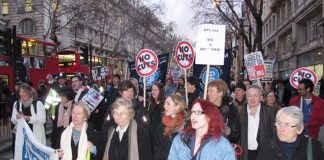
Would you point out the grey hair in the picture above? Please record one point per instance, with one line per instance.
(293, 112)
(123, 102)
(85, 108)
(254, 86)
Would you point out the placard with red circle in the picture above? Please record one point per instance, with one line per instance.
(184, 55)
(302, 73)
(146, 63)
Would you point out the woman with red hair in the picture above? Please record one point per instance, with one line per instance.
(203, 138)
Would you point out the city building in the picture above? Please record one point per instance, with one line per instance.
(293, 35)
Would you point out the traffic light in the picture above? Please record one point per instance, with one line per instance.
(85, 53)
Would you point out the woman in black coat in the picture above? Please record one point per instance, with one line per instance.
(173, 121)
(290, 144)
(128, 140)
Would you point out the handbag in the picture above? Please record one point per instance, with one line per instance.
(309, 149)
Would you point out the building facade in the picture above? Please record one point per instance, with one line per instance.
(293, 35)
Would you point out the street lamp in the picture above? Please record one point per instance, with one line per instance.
(216, 2)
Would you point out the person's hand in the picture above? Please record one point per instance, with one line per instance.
(90, 146)
(140, 98)
(18, 116)
(60, 152)
(27, 118)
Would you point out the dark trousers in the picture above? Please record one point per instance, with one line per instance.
(252, 154)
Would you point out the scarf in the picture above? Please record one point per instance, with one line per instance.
(132, 142)
(172, 125)
(64, 114)
(66, 139)
(78, 93)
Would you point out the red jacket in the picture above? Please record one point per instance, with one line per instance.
(317, 117)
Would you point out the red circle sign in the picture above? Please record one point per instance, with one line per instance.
(302, 73)
(185, 55)
(146, 63)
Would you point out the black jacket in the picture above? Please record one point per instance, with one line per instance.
(231, 117)
(272, 151)
(266, 128)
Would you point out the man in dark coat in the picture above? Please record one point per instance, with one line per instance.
(256, 121)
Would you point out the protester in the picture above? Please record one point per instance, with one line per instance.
(31, 110)
(239, 92)
(203, 138)
(290, 144)
(312, 107)
(127, 91)
(181, 84)
(80, 140)
(156, 103)
(77, 85)
(173, 121)
(193, 90)
(62, 117)
(111, 92)
(42, 91)
(256, 120)
(321, 91)
(247, 82)
(170, 88)
(270, 98)
(128, 140)
(266, 87)
(217, 94)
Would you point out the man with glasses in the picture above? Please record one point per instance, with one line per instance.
(312, 107)
(77, 86)
(256, 120)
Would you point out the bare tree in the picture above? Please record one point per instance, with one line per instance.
(230, 13)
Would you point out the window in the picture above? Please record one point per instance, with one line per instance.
(28, 6)
(27, 26)
(298, 3)
(310, 30)
(5, 8)
(285, 43)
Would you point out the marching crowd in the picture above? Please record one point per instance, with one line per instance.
(241, 121)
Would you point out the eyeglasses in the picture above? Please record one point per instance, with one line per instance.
(120, 114)
(300, 89)
(197, 112)
(285, 125)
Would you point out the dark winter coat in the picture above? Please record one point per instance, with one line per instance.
(231, 117)
(272, 150)
(266, 128)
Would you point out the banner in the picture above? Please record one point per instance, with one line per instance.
(92, 98)
(159, 75)
(222, 72)
(254, 65)
(28, 147)
(268, 64)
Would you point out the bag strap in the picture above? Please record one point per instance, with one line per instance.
(309, 149)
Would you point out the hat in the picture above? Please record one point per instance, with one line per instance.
(18, 82)
(62, 75)
(79, 76)
(240, 85)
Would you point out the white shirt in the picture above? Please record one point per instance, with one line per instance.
(253, 126)
(121, 131)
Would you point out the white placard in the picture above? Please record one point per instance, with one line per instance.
(92, 98)
(210, 47)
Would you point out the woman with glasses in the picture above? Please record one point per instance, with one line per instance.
(203, 139)
(173, 121)
(290, 144)
(128, 140)
(80, 140)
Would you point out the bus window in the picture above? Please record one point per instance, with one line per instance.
(24, 49)
(50, 50)
(66, 60)
(40, 49)
(32, 46)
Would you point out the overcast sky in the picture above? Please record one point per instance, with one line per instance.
(180, 12)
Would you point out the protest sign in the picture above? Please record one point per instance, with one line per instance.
(210, 44)
(302, 73)
(92, 98)
(255, 65)
(146, 63)
(184, 55)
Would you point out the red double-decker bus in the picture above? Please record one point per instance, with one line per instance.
(38, 58)
(71, 62)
